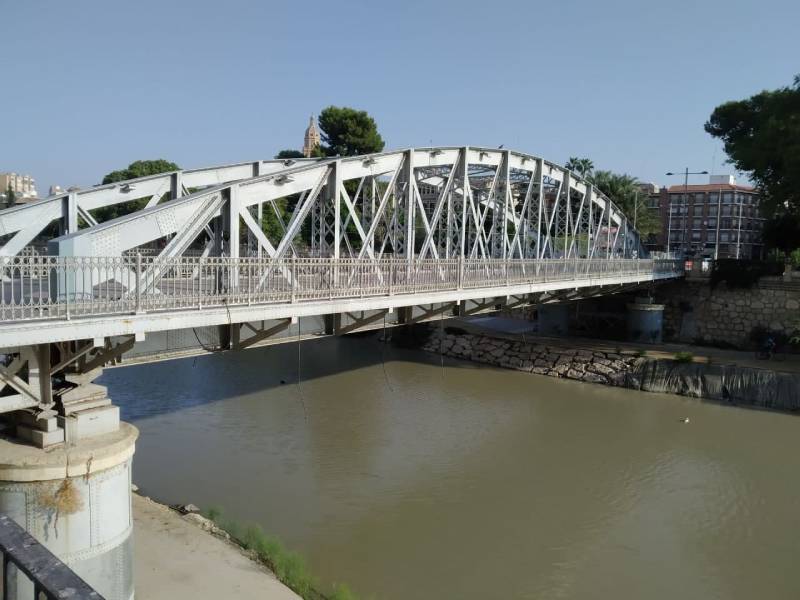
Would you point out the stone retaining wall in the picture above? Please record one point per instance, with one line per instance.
(724, 383)
(584, 365)
(697, 313)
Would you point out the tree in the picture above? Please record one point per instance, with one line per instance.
(11, 197)
(139, 168)
(761, 135)
(624, 191)
(290, 154)
(349, 132)
(782, 231)
(582, 166)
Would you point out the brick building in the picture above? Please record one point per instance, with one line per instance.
(719, 219)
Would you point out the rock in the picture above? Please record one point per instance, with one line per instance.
(575, 374)
(601, 369)
(134, 488)
(541, 370)
(593, 378)
(188, 508)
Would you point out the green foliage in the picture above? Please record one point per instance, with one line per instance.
(625, 193)
(139, 168)
(684, 357)
(11, 197)
(761, 135)
(794, 258)
(290, 154)
(782, 231)
(583, 166)
(742, 273)
(349, 132)
(270, 224)
(289, 567)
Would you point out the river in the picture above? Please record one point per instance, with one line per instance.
(408, 477)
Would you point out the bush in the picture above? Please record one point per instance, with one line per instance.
(684, 357)
(794, 258)
(743, 273)
(289, 567)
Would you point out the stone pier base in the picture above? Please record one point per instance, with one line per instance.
(645, 322)
(76, 500)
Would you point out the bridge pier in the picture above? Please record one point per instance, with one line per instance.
(65, 472)
(645, 321)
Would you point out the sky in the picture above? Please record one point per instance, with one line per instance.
(92, 85)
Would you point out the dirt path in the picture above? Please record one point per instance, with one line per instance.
(176, 558)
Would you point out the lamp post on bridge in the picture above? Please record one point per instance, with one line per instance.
(686, 174)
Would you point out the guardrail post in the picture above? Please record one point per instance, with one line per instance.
(391, 274)
(460, 272)
(138, 282)
(330, 278)
(505, 266)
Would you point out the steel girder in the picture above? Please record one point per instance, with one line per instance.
(25, 222)
(447, 202)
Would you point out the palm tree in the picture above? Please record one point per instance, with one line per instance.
(624, 191)
(582, 166)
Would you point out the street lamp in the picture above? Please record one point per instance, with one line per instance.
(686, 174)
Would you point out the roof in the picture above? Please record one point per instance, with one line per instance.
(711, 187)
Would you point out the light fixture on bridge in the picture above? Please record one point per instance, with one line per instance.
(288, 162)
(369, 161)
(281, 179)
(436, 152)
(126, 188)
(482, 154)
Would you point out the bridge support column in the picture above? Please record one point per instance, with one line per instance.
(553, 319)
(76, 501)
(645, 321)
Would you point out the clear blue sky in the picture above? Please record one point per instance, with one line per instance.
(91, 85)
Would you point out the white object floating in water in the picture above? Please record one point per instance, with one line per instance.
(685, 420)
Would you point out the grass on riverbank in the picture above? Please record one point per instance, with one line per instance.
(289, 567)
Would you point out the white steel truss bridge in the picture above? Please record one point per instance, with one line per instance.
(253, 247)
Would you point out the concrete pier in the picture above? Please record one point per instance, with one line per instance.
(645, 321)
(75, 499)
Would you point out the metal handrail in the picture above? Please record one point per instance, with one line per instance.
(59, 287)
(50, 577)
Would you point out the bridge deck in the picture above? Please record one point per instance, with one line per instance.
(51, 299)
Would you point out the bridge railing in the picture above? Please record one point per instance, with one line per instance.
(31, 571)
(50, 287)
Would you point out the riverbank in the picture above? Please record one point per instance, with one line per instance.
(650, 369)
(180, 556)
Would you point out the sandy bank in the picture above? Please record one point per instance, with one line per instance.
(174, 557)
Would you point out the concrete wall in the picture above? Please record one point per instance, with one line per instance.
(694, 311)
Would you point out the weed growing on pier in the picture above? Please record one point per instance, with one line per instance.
(289, 567)
(684, 357)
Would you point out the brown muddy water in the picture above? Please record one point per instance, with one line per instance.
(408, 478)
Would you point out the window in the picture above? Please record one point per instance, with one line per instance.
(727, 197)
(697, 223)
(723, 236)
(695, 236)
(712, 223)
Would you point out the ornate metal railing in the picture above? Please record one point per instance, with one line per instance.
(52, 287)
(29, 566)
